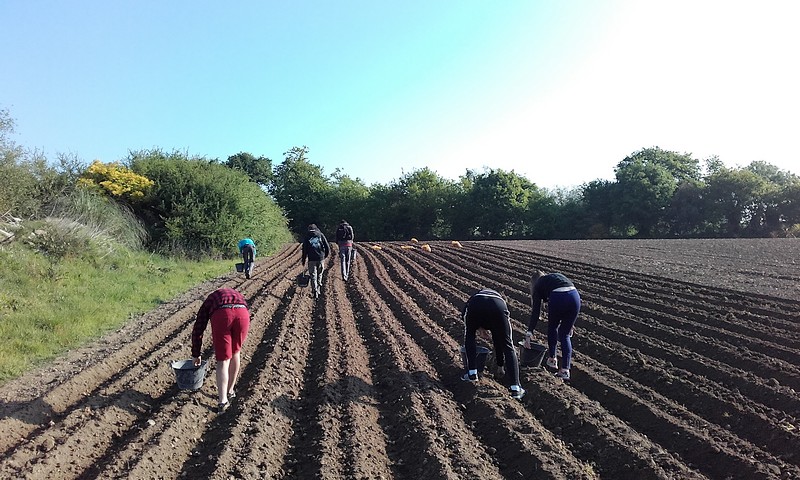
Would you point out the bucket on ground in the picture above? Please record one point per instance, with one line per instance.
(303, 279)
(531, 357)
(240, 267)
(188, 376)
(480, 359)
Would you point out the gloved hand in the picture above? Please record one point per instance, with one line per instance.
(500, 374)
(197, 361)
(527, 342)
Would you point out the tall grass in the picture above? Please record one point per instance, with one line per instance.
(103, 218)
(48, 306)
(77, 274)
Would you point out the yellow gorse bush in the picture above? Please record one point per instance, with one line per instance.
(115, 180)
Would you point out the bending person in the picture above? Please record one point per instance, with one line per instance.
(248, 250)
(488, 310)
(230, 321)
(563, 306)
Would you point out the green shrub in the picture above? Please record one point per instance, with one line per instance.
(200, 207)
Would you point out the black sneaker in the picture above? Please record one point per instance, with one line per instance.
(470, 378)
(223, 406)
(518, 394)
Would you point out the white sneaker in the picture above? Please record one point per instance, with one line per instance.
(563, 374)
(518, 394)
(552, 362)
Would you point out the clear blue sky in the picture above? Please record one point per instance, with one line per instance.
(557, 91)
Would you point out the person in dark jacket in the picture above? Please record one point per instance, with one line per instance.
(344, 240)
(316, 249)
(564, 304)
(487, 309)
(227, 311)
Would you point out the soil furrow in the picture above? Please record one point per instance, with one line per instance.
(450, 452)
(609, 443)
(768, 391)
(655, 324)
(742, 318)
(684, 288)
(729, 410)
(153, 444)
(682, 432)
(771, 431)
(685, 366)
(519, 442)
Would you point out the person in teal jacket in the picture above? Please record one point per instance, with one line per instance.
(247, 248)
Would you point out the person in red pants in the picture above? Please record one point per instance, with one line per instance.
(227, 311)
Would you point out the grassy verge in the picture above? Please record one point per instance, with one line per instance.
(49, 306)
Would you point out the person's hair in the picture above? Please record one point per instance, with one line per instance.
(312, 226)
(344, 221)
(534, 276)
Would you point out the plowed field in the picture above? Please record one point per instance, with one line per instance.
(687, 365)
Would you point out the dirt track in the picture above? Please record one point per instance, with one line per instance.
(671, 379)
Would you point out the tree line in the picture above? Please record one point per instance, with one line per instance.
(655, 194)
(194, 205)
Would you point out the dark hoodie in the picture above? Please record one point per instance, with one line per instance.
(315, 236)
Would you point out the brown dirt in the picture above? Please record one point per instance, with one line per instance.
(687, 365)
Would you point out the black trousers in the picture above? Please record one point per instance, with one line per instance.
(248, 256)
(491, 313)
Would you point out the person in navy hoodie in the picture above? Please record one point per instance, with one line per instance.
(563, 306)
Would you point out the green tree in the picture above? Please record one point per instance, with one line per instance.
(302, 189)
(499, 200)
(347, 201)
(557, 214)
(259, 169)
(30, 183)
(200, 207)
(461, 219)
(646, 181)
(733, 196)
(686, 214)
(770, 209)
(380, 221)
(421, 202)
(600, 200)
(790, 209)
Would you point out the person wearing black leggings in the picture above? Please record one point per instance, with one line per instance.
(488, 310)
(563, 306)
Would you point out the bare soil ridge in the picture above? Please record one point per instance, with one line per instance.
(686, 366)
